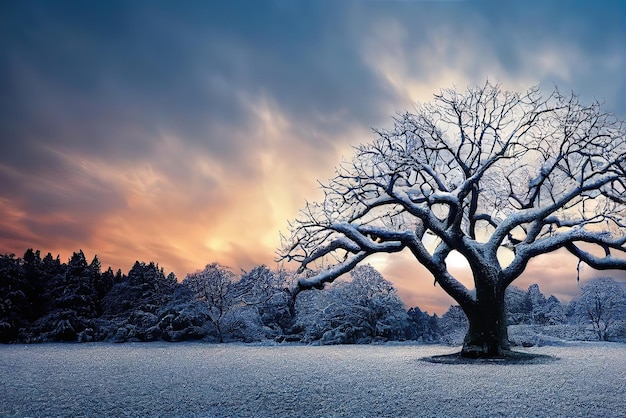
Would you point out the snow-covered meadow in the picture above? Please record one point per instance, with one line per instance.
(194, 379)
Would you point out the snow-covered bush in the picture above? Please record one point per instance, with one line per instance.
(362, 310)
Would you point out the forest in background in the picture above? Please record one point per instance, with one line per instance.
(45, 300)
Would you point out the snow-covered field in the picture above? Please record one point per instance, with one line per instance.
(193, 379)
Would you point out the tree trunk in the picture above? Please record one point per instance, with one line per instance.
(487, 335)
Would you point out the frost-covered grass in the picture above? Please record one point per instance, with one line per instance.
(160, 379)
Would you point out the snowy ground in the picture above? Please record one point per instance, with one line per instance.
(160, 379)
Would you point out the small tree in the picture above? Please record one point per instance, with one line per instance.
(473, 173)
(212, 286)
(263, 290)
(601, 304)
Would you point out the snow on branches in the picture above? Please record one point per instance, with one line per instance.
(480, 170)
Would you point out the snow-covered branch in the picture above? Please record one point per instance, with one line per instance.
(329, 275)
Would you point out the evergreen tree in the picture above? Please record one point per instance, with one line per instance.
(14, 303)
(33, 265)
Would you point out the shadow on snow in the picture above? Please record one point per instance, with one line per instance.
(507, 358)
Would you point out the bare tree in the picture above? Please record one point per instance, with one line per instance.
(475, 172)
(602, 304)
(263, 290)
(213, 286)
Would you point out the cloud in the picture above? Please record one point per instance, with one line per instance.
(190, 134)
(556, 274)
(417, 50)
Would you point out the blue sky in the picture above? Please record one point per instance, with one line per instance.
(190, 132)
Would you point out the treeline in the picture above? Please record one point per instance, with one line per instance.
(44, 299)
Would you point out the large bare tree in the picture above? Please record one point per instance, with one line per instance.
(475, 172)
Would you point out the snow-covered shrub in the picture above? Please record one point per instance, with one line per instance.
(362, 310)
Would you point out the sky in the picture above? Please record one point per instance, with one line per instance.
(190, 132)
